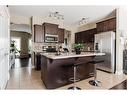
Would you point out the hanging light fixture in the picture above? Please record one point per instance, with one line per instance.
(83, 21)
(56, 15)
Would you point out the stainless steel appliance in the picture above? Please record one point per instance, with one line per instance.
(106, 44)
(51, 38)
(125, 61)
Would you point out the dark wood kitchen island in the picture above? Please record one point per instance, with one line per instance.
(55, 69)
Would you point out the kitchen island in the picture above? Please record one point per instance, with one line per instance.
(56, 69)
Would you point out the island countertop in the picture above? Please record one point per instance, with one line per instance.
(71, 55)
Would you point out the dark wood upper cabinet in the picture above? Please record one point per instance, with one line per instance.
(50, 28)
(60, 35)
(112, 24)
(107, 25)
(92, 32)
(78, 37)
(38, 33)
(86, 36)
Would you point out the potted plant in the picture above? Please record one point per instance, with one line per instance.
(78, 47)
(13, 47)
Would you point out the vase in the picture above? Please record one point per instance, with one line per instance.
(78, 51)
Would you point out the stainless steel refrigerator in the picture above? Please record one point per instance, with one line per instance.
(106, 44)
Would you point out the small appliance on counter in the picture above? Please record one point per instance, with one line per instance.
(51, 49)
(44, 48)
(97, 47)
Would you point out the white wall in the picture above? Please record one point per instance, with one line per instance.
(121, 30)
(20, 27)
(4, 46)
(20, 23)
(122, 23)
(87, 27)
(18, 19)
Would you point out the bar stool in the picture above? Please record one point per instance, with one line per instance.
(74, 87)
(95, 82)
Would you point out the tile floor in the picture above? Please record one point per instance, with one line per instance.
(28, 78)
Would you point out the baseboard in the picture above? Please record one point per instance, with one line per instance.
(119, 72)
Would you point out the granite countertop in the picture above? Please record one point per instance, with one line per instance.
(70, 55)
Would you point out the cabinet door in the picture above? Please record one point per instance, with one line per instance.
(61, 35)
(100, 26)
(79, 37)
(38, 33)
(85, 36)
(91, 35)
(38, 61)
(76, 37)
(51, 29)
(112, 24)
(107, 25)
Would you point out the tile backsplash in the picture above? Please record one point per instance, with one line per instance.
(89, 46)
(39, 47)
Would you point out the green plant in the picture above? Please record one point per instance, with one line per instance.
(79, 46)
(13, 47)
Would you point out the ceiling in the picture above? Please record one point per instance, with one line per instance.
(72, 14)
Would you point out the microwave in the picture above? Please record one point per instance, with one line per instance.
(51, 38)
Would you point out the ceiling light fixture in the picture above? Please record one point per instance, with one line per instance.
(56, 15)
(83, 21)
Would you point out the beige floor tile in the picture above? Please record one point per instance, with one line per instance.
(12, 88)
(27, 87)
(13, 85)
(28, 78)
(108, 80)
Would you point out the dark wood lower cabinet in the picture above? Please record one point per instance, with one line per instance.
(37, 61)
(56, 73)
